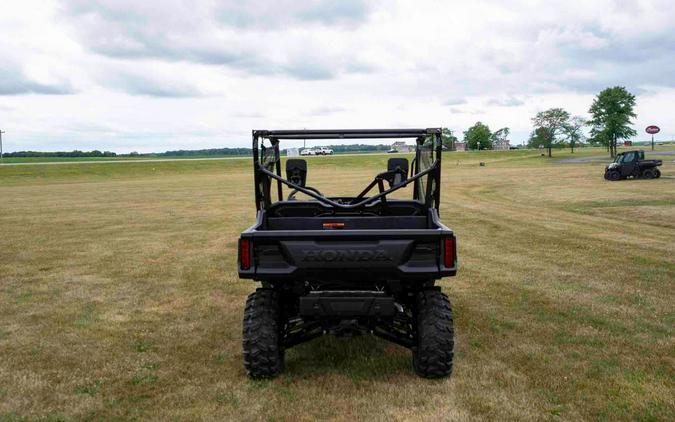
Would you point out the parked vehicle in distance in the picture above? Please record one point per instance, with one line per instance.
(632, 164)
(307, 151)
(392, 151)
(323, 151)
(348, 265)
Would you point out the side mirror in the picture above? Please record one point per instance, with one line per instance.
(400, 165)
(296, 171)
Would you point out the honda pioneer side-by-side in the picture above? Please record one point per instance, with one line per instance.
(347, 265)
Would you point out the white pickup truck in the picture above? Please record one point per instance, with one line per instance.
(323, 151)
(317, 151)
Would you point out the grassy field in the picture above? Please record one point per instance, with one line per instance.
(119, 297)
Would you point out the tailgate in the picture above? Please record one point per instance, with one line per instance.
(386, 254)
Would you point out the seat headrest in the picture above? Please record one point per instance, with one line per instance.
(398, 163)
(296, 171)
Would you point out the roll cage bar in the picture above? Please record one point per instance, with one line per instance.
(427, 140)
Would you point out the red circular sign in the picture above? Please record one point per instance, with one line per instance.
(652, 129)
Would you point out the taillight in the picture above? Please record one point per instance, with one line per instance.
(449, 252)
(245, 254)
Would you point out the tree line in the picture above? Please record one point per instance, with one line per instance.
(611, 113)
(75, 153)
(478, 136)
(97, 153)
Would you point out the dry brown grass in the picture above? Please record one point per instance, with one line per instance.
(119, 298)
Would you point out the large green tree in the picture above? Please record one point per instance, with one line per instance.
(611, 113)
(553, 121)
(574, 132)
(448, 138)
(478, 136)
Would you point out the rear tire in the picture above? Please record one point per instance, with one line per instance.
(263, 354)
(432, 358)
(648, 174)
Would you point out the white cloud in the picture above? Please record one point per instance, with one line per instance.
(506, 101)
(157, 75)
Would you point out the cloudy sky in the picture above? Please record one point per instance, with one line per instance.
(154, 75)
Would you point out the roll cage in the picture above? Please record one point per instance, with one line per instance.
(425, 171)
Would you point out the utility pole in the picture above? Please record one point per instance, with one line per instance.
(1, 132)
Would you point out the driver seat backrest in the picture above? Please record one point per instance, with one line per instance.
(296, 171)
(393, 164)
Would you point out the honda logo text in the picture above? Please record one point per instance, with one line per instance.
(336, 255)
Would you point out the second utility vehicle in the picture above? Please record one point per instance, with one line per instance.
(347, 265)
(632, 164)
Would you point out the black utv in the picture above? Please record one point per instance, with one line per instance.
(632, 164)
(347, 265)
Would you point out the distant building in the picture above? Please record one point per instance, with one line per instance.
(460, 146)
(401, 146)
(628, 143)
(501, 145)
